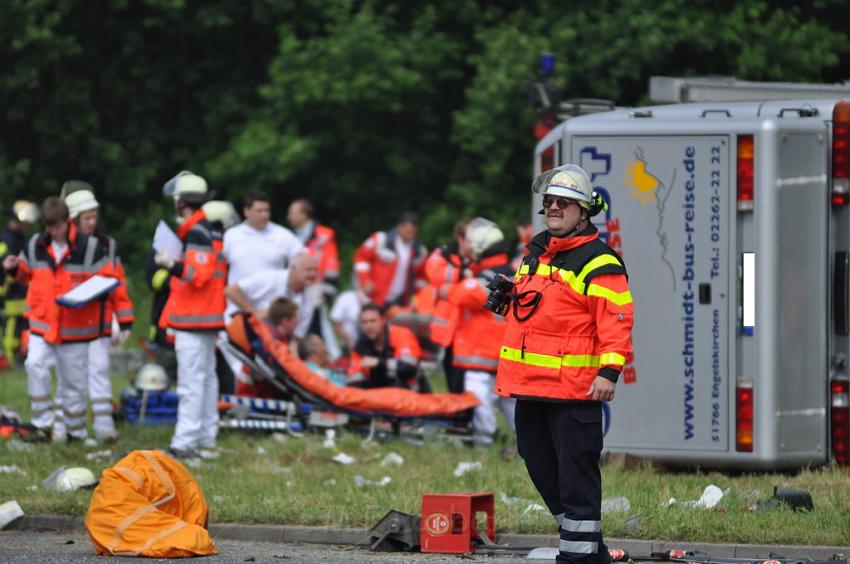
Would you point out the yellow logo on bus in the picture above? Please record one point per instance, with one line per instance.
(641, 184)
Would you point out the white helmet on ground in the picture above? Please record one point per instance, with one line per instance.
(151, 377)
(567, 181)
(481, 234)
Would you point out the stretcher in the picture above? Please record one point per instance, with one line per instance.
(317, 402)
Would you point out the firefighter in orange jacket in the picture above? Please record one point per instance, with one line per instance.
(52, 264)
(83, 210)
(444, 267)
(319, 240)
(195, 311)
(384, 355)
(568, 337)
(479, 331)
(390, 265)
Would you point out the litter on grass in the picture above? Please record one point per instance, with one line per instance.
(9, 511)
(618, 504)
(361, 481)
(16, 445)
(99, 454)
(13, 469)
(392, 459)
(709, 499)
(343, 458)
(465, 467)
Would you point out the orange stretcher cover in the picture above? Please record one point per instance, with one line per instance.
(148, 504)
(396, 401)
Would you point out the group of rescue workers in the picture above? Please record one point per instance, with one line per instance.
(543, 332)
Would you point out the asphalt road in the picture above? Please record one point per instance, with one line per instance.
(49, 547)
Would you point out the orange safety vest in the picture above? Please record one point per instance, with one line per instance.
(48, 280)
(479, 331)
(322, 245)
(401, 345)
(443, 268)
(196, 299)
(119, 302)
(376, 261)
(582, 326)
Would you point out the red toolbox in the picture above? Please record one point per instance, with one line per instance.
(449, 523)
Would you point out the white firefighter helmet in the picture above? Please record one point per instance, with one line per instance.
(567, 181)
(80, 201)
(79, 477)
(481, 234)
(187, 186)
(26, 211)
(151, 377)
(221, 211)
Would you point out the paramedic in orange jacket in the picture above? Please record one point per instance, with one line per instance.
(320, 241)
(53, 263)
(390, 265)
(83, 210)
(195, 311)
(567, 340)
(444, 267)
(479, 331)
(384, 355)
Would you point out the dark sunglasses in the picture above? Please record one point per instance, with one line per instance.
(563, 203)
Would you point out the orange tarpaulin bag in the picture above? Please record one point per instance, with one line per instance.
(148, 504)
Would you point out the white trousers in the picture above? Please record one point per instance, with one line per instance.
(197, 388)
(68, 412)
(100, 388)
(482, 384)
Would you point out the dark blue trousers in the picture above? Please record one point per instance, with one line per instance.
(561, 444)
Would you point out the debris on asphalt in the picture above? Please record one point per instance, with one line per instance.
(13, 469)
(392, 459)
(9, 511)
(343, 458)
(396, 531)
(361, 481)
(619, 504)
(465, 467)
(709, 499)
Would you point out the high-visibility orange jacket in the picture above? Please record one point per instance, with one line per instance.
(196, 299)
(119, 302)
(48, 280)
(322, 244)
(376, 261)
(581, 327)
(398, 360)
(479, 332)
(443, 268)
(149, 505)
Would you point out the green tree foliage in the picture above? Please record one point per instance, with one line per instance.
(367, 107)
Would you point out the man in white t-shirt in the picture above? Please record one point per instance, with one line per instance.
(255, 293)
(257, 244)
(345, 316)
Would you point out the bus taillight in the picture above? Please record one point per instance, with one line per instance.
(744, 417)
(839, 414)
(841, 153)
(745, 176)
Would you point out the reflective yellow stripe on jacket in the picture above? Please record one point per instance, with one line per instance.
(577, 282)
(556, 362)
